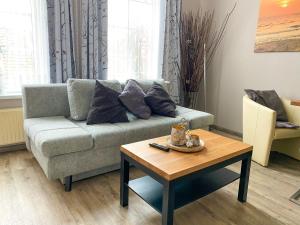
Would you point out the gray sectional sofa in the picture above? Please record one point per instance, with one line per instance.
(68, 149)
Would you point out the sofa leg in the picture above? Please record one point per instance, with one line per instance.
(68, 183)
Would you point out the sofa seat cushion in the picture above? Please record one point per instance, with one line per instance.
(105, 134)
(196, 118)
(283, 133)
(139, 130)
(57, 136)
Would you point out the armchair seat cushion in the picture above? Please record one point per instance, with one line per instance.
(284, 133)
(57, 136)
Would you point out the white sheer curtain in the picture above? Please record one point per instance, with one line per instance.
(24, 56)
(135, 38)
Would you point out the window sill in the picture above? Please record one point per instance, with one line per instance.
(10, 97)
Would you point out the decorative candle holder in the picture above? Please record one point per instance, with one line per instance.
(178, 133)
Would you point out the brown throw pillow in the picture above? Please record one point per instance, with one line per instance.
(159, 101)
(106, 107)
(269, 99)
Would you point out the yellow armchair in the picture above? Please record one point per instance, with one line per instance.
(259, 130)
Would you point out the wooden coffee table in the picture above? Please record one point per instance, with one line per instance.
(175, 179)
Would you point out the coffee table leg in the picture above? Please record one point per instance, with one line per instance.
(168, 204)
(124, 179)
(244, 179)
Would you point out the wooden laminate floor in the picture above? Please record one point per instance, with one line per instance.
(28, 197)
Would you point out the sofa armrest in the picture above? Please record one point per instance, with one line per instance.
(45, 100)
(293, 111)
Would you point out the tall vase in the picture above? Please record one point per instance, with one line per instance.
(191, 99)
(187, 100)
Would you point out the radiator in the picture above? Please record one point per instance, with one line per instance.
(11, 127)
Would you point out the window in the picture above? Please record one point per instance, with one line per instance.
(24, 57)
(135, 38)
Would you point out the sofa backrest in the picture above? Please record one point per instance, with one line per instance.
(56, 99)
(45, 100)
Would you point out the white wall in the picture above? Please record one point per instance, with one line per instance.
(190, 4)
(236, 66)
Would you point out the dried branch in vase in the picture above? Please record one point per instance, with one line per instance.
(196, 29)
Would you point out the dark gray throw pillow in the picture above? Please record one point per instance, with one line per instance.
(159, 101)
(269, 99)
(106, 107)
(253, 95)
(132, 98)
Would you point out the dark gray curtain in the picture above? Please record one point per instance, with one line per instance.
(171, 59)
(94, 39)
(91, 39)
(61, 40)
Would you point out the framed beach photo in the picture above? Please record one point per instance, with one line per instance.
(278, 27)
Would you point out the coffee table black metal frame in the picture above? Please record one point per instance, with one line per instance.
(167, 195)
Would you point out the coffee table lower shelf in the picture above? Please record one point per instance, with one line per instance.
(186, 192)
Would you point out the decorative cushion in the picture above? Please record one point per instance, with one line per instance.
(132, 98)
(106, 107)
(280, 124)
(147, 84)
(159, 101)
(253, 95)
(269, 99)
(80, 95)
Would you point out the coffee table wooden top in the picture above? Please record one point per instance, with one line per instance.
(171, 165)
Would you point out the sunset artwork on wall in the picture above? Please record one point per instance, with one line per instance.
(278, 26)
